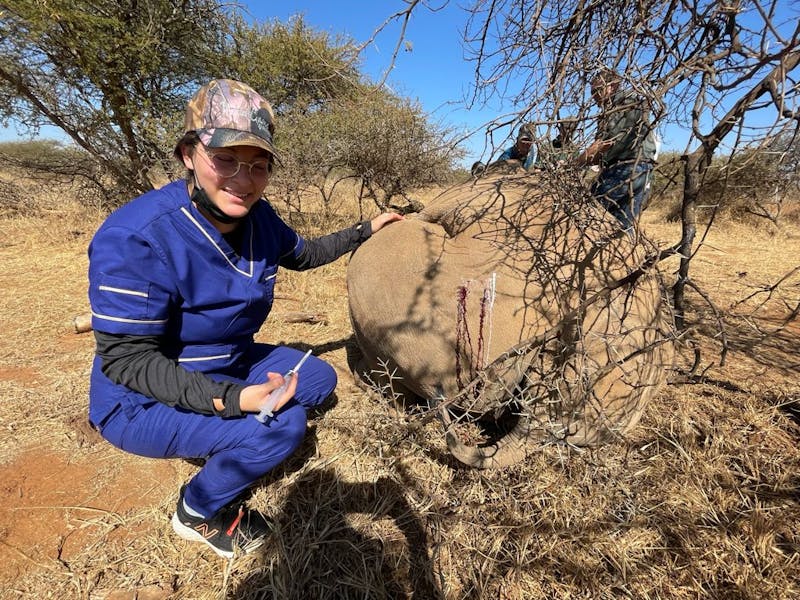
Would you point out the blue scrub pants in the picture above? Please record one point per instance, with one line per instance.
(237, 451)
(624, 190)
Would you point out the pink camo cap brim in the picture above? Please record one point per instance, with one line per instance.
(227, 113)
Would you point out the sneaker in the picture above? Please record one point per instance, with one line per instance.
(233, 527)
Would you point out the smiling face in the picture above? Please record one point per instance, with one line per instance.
(233, 195)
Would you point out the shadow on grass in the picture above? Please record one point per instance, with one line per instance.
(345, 539)
(769, 340)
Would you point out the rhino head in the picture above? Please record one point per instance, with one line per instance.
(499, 298)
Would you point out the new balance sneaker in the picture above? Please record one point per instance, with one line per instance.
(232, 528)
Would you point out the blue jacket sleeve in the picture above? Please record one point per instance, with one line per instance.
(507, 154)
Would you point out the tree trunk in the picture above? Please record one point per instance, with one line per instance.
(691, 187)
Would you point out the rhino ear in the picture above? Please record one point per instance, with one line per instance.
(506, 451)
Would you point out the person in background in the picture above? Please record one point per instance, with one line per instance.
(625, 148)
(180, 279)
(561, 148)
(523, 149)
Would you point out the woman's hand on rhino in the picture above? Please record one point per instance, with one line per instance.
(384, 219)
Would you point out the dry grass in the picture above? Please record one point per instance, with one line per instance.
(701, 500)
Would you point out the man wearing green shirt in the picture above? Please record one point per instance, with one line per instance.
(625, 147)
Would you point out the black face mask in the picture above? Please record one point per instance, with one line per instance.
(201, 199)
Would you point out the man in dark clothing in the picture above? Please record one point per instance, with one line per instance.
(523, 149)
(625, 147)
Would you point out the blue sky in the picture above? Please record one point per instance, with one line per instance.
(434, 72)
(432, 69)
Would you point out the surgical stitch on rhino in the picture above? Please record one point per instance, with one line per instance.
(483, 335)
(500, 298)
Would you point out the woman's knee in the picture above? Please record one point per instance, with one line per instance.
(282, 434)
(316, 383)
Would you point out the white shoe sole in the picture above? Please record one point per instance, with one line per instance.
(190, 534)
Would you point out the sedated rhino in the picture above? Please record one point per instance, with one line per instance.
(496, 299)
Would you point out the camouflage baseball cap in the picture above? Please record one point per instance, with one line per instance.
(229, 113)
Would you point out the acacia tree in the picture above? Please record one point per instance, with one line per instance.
(297, 68)
(112, 75)
(725, 72)
(385, 143)
(115, 77)
(335, 124)
(763, 181)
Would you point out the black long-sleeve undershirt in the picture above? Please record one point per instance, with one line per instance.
(138, 362)
(326, 249)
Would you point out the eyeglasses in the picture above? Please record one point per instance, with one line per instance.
(226, 165)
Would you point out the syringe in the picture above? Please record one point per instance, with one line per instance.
(274, 395)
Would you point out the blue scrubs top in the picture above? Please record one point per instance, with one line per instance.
(159, 268)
